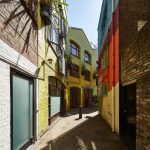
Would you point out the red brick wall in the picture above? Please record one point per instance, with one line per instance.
(16, 42)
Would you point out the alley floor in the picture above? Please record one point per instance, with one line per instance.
(89, 133)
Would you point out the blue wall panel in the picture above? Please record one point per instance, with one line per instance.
(104, 23)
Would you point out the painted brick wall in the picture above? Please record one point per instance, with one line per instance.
(8, 34)
(4, 106)
(20, 62)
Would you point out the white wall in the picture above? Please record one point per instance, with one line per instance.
(8, 54)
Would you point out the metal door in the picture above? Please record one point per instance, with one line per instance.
(22, 111)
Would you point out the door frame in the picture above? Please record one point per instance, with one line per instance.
(52, 118)
(31, 78)
(122, 116)
(78, 90)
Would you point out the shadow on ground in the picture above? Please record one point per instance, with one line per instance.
(94, 134)
(87, 110)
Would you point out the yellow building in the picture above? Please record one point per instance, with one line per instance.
(81, 69)
(51, 63)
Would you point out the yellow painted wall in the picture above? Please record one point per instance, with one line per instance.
(45, 70)
(106, 110)
(117, 108)
(78, 36)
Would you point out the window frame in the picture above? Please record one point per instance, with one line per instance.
(28, 77)
(74, 46)
(75, 71)
(105, 58)
(87, 75)
(89, 57)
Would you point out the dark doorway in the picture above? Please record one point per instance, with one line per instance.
(87, 97)
(75, 94)
(128, 115)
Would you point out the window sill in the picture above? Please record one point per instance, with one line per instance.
(75, 76)
(87, 80)
(75, 56)
(87, 62)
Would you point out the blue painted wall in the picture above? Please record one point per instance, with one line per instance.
(105, 21)
(115, 4)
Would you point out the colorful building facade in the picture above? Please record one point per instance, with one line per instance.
(123, 72)
(32, 70)
(108, 64)
(51, 64)
(81, 69)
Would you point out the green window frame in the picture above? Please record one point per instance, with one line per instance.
(103, 89)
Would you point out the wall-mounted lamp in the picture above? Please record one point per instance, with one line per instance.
(50, 60)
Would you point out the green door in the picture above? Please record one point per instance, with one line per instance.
(22, 111)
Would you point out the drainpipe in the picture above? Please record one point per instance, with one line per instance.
(113, 90)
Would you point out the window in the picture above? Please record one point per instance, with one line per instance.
(104, 18)
(103, 89)
(105, 59)
(53, 35)
(55, 91)
(87, 57)
(74, 71)
(87, 75)
(74, 50)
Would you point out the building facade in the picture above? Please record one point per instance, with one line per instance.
(18, 73)
(81, 69)
(108, 70)
(124, 69)
(51, 63)
(32, 70)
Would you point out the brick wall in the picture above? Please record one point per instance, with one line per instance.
(4, 106)
(143, 114)
(8, 34)
(135, 61)
(130, 13)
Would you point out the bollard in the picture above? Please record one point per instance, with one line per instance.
(80, 112)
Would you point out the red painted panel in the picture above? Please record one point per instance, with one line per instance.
(112, 40)
(116, 45)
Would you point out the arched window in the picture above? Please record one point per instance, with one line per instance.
(74, 49)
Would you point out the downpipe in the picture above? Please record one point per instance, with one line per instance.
(113, 89)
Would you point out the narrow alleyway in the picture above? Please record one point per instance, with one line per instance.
(89, 133)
